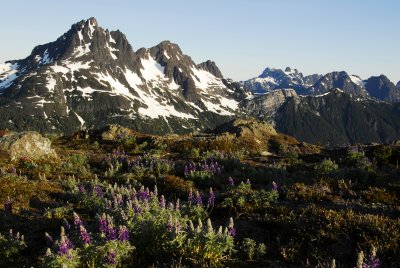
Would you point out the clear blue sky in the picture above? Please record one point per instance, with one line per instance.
(241, 36)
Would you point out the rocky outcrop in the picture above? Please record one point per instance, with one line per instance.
(210, 67)
(27, 144)
(246, 128)
(114, 132)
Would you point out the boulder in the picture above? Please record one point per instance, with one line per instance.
(27, 144)
(247, 128)
(114, 131)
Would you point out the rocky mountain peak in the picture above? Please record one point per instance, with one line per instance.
(211, 67)
(382, 88)
(90, 77)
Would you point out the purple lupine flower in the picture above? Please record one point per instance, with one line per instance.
(8, 205)
(199, 200)
(82, 189)
(372, 262)
(13, 170)
(111, 257)
(49, 240)
(190, 197)
(103, 223)
(84, 235)
(274, 186)
(77, 220)
(232, 231)
(110, 232)
(170, 224)
(231, 181)
(123, 233)
(137, 209)
(162, 202)
(211, 198)
(64, 246)
(248, 182)
(98, 191)
(231, 228)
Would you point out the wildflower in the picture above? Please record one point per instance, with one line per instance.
(190, 197)
(231, 228)
(199, 200)
(177, 205)
(123, 233)
(231, 181)
(211, 198)
(82, 189)
(84, 235)
(64, 246)
(111, 257)
(137, 209)
(110, 232)
(274, 186)
(8, 205)
(210, 229)
(170, 224)
(77, 220)
(98, 191)
(248, 182)
(103, 223)
(155, 191)
(162, 202)
(66, 224)
(49, 240)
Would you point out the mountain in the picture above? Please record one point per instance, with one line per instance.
(382, 88)
(272, 79)
(90, 77)
(351, 84)
(334, 117)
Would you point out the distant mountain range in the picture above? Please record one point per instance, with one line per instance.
(379, 87)
(90, 77)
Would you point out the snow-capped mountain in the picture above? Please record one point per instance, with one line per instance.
(351, 84)
(272, 79)
(91, 77)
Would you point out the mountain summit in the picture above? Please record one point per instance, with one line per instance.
(91, 77)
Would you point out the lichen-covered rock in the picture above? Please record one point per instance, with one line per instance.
(247, 127)
(27, 144)
(114, 131)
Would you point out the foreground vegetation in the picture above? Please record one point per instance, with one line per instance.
(132, 200)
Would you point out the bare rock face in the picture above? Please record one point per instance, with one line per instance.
(27, 144)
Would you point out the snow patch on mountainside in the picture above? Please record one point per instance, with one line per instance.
(356, 80)
(155, 109)
(203, 79)
(116, 86)
(8, 73)
(152, 70)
